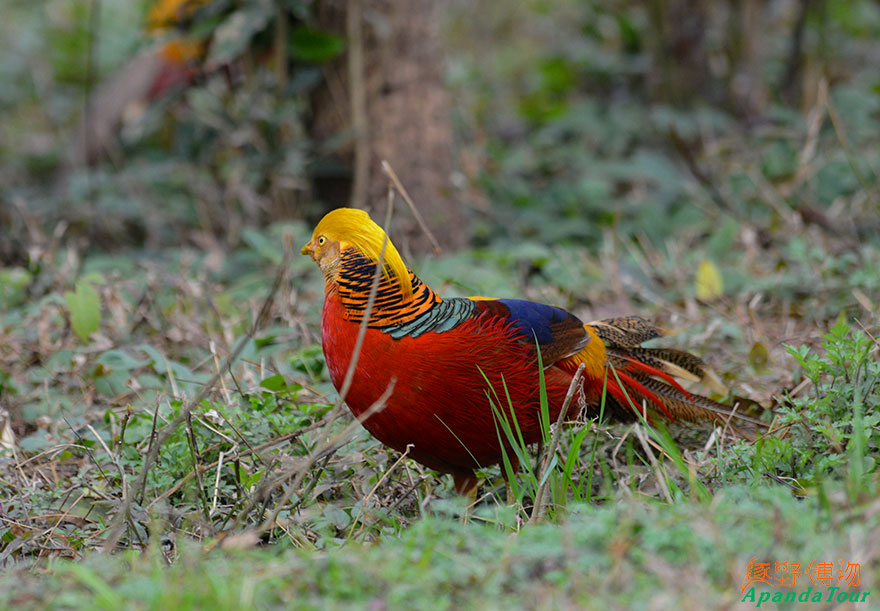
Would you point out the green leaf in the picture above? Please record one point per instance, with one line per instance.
(337, 517)
(759, 356)
(708, 283)
(117, 359)
(311, 45)
(15, 277)
(274, 383)
(84, 306)
(34, 442)
(263, 342)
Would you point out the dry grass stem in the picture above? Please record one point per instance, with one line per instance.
(540, 500)
(389, 171)
(123, 513)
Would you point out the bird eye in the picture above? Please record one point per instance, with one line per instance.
(321, 240)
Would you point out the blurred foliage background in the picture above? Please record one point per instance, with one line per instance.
(648, 118)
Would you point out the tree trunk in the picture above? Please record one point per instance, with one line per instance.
(681, 68)
(389, 92)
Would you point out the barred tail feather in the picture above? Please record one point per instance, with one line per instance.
(681, 365)
(648, 374)
(694, 408)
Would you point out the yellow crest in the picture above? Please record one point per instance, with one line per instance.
(353, 227)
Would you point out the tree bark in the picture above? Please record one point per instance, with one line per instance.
(681, 68)
(396, 105)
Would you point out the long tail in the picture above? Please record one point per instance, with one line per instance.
(647, 375)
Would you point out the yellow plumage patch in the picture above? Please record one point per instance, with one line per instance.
(593, 355)
(352, 227)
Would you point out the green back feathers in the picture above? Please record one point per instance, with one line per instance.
(352, 227)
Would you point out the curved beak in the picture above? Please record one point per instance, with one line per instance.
(307, 249)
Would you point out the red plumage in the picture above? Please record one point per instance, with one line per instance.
(439, 388)
(447, 356)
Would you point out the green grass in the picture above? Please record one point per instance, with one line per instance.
(629, 553)
(366, 518)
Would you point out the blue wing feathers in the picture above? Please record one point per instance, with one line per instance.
(530, 317)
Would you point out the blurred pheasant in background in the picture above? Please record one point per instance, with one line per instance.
(439, 350)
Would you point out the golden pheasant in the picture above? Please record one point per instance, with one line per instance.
(442, 352)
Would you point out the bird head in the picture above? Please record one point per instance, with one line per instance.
(346, 228)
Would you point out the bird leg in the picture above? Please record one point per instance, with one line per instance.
(465, 484)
